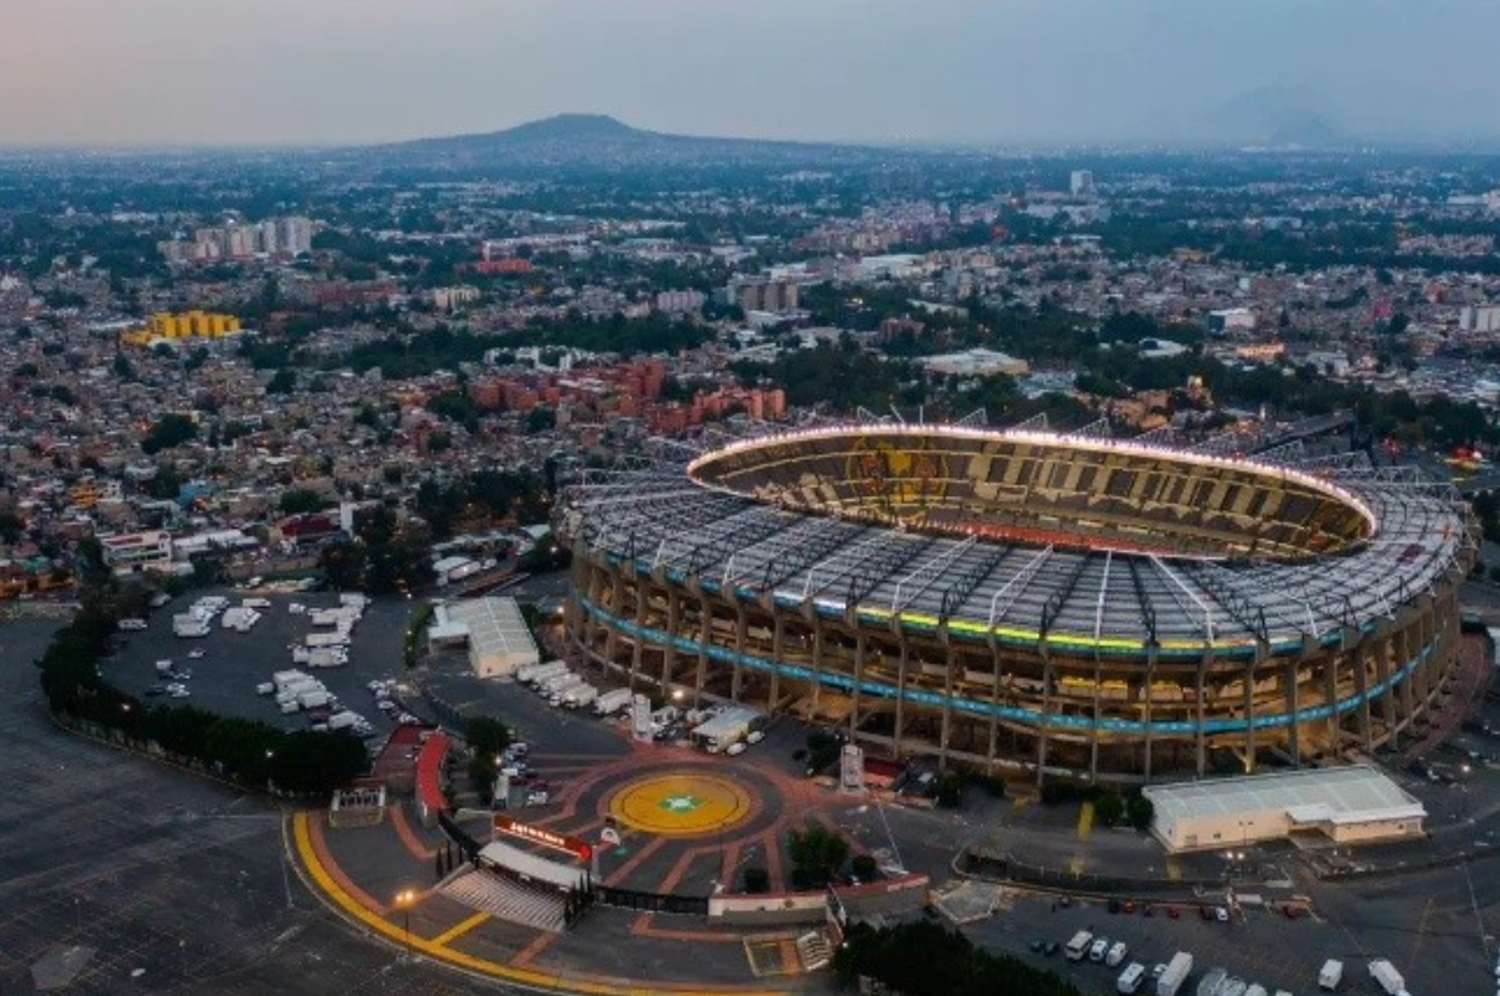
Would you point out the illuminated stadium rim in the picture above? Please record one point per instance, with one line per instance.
(1018, 714)
(1014, 635)
(1161, 453)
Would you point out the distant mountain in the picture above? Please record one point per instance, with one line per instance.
(1275, 117)
(598, 141)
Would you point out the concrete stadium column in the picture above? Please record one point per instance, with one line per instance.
(1331, 698)
(1247, 681)
(859, 676)
(1149, 738)
(900, 695)
(1361, 688)
(817, 660)
(1406, 649)
(1291, 698)
(705, 634)
(1095, 713)
(995, 700)
(1043, 727)
(741, 632)
(642, 596)
(1387, 646)
(947, 728)
(1200, 714)
(669, 651)
(778, 638)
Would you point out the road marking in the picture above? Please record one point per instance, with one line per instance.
(343, 901)
(461, 928)
(1085, 820)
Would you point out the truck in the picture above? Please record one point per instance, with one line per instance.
(1387, 978)
(326, 657)
(1178, 969)
(1212, 980)
(581, 696)
(612, 701)
(1330, 975)
(314, 699)
(332, 639)
(1130, 980)
(729, 727)
(343, 720)
(1078, 947)
(546, 671)
(560, 686)
(558, 683)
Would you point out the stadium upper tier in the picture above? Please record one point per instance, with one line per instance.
(1041, 488)
(1401, 534)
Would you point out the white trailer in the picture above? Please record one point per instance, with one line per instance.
(559, 682)
(334, 639)
(1331, 974)
(581, 696)
(1178, 969)
(612, 701)
(557, 687)
(1387, 978)
(546, 671)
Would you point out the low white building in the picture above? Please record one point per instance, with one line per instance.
(1348, 805)
(493, 630)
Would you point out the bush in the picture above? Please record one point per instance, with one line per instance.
(816, 855)
(1109, 808)
(950, 789)
(864, 868)
(922, 958)
(757, 880)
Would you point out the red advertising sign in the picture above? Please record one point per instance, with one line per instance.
(541, 835)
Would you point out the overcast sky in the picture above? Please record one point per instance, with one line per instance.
(135, 72)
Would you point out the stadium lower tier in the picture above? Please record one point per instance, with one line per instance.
(1048, 713)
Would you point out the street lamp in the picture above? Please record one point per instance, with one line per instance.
(405, 899)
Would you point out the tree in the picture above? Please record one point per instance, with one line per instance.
(302, 500)
(1109, 808)
(283, 381)
(1139, 811)
(817, 855)
(864, 868)
(171, 430)
(950, 789)
(540, 419)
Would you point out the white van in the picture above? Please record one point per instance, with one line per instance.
(1130, 980)
(1116, 954)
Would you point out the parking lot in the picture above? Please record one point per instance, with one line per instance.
(224, 678)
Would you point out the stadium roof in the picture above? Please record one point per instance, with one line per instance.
(1095, 600)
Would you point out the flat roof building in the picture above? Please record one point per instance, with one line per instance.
(1347, 805)
(493, 629)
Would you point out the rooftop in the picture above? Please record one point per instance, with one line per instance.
(1338, 795)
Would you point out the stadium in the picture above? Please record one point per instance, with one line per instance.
(1030, 603)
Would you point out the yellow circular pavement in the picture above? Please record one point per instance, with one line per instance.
(681, 805)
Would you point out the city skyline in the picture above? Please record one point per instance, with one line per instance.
(84, 72)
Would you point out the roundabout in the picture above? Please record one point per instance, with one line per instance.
(681, 804)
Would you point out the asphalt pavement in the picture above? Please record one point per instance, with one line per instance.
(130, 877)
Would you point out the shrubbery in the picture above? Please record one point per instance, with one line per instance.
(917, 959)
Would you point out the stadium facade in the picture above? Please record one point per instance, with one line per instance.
(1029, 602)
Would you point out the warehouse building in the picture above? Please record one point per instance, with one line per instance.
(493, 630)
(1348, 805)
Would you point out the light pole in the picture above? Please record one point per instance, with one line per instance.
(405, 899)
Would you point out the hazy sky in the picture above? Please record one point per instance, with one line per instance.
(333, 71)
